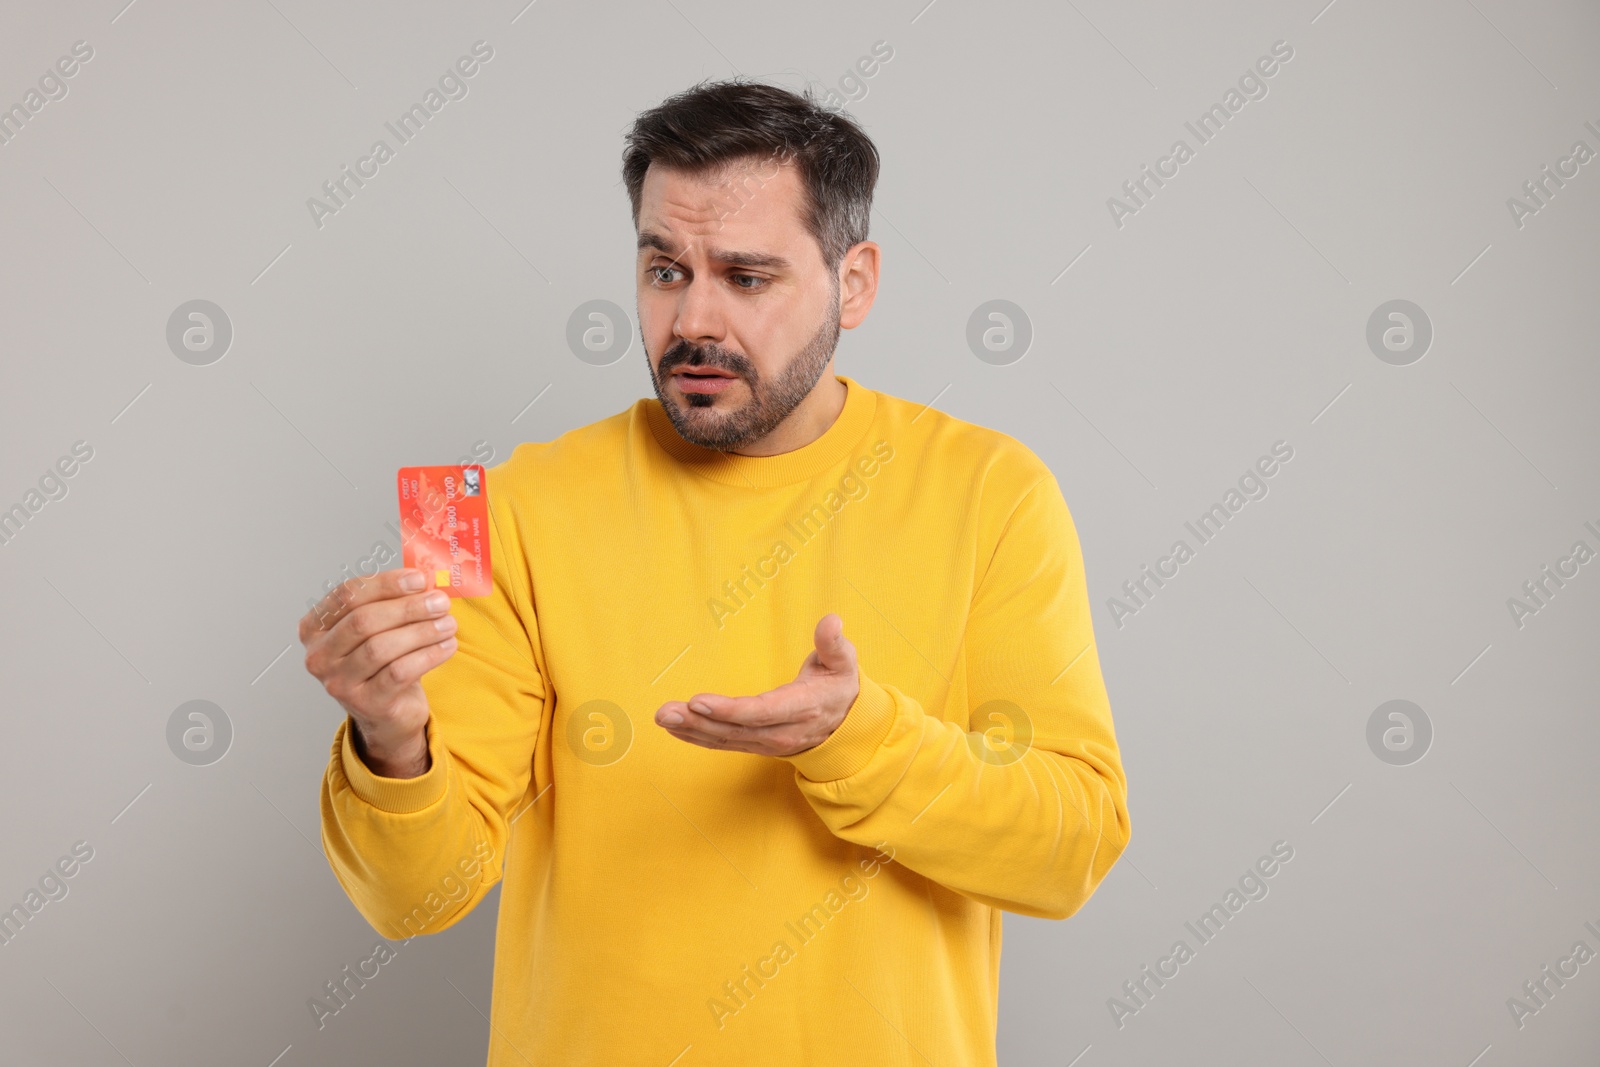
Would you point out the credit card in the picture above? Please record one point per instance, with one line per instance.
(444, 524)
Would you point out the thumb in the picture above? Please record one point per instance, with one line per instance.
(834, 652)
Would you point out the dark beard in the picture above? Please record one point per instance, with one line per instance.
(770, 404)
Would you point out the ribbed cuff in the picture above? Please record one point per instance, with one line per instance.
(399, 796)
(852, 746)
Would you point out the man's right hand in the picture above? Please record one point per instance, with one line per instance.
(369, 642)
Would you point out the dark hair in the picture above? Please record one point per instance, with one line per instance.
(718, 123)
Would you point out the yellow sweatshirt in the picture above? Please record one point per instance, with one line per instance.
(668, 904)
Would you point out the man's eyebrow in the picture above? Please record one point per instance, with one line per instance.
(749, 259)
(651, 239)
(648, 239)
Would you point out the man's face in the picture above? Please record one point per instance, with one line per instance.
(739, 314)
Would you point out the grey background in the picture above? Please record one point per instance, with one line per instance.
(1227, 314)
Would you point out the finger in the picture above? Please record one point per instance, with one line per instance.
(690, 726)
(327, 612)
(724, 733)
(787, 703)
(368, 620)
(354, 592)
(382, 688)
(381, 649)
(833, 651)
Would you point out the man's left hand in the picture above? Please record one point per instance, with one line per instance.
(792, 718)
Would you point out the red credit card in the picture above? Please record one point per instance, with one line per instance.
(444, 522)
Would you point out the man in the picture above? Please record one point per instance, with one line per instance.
(708, 857)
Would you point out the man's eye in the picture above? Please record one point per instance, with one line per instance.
(658, 271)
(750, 277)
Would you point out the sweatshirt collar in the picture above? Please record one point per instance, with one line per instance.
(759, 472)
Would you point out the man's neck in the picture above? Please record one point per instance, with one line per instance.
(807, 422)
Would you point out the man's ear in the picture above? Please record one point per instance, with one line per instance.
(858, 283)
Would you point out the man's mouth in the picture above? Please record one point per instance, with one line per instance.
(703, 380)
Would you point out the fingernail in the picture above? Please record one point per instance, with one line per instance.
(699, 709)
(436, 601)
(412, 582)
(670, 718)
(445, 625)
(448, 644)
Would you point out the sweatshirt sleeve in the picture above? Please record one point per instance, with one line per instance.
(1025, 807)
(415, 855)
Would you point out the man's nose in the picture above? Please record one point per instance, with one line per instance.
(700, 316)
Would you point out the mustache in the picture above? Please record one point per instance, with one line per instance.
(683, 353)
